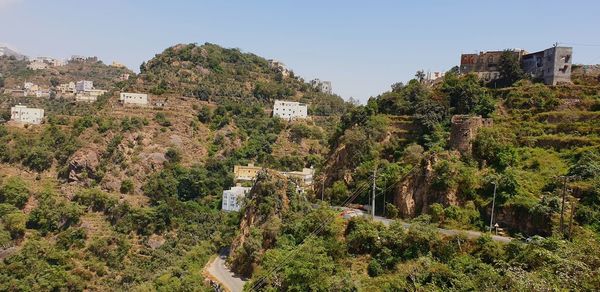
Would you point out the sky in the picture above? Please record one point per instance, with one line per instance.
(362, 47)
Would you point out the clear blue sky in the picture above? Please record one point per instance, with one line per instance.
(361, 46)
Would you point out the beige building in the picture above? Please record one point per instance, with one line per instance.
(245, 173)
(133, 98)
(248, 173)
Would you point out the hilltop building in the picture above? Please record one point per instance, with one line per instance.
(322, 86)
(133, 98)
(23, 114)
(233, 197)
(552, 66)
(117, 64)
(290, 110)
(37, 65)
(279, 67)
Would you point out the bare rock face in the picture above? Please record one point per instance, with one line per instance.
(83, 165)
(414, 194)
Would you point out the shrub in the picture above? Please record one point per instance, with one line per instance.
(15, 192)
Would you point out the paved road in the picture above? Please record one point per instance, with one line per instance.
(221, 272)
(451, 232)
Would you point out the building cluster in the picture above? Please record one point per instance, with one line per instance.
(40, 63)
(322, 86)
(290, 110)
(279, 66)
(552, 65)
(29, 89)
(233, 197)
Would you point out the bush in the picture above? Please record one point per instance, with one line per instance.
(95, 199)
(127, 186)
(374, 268)
(15, 192)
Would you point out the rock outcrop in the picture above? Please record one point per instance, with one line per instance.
(414, 193)
(83, 165)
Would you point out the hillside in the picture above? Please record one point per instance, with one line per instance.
(127, 197)
(110, 197)
(15, 73)
(213, 73)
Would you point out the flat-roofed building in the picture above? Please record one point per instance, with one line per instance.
(289, 110)
(233, 198)
(133, 98)
(245, 172)
(25, 115)
(84, 85)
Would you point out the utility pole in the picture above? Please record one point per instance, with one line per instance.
(562, 207)
(573, 204)
(322, 187)
(493, 206)
(373, 195)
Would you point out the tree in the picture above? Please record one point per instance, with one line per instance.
(15, 192)
(420, 75)
(464, 93)
(510, 68)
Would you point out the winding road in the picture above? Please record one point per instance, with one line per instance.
(219, 271)
(231, 282)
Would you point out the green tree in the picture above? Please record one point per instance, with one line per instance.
(14, 191)
(510, 68)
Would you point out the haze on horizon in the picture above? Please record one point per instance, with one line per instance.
(361, 47)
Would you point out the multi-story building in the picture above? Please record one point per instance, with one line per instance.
(37, 65)
(66, 87)
(133, 98)
(23, 114)
(322, 86)
(84, 85)
(233, 198)
(290, 110)
(552, 66)
(485, 64)
(305, 177)
(279, 67)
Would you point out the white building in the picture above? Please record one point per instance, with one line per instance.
(289, 110)
(84, 85)
(23, 114)
(233, 197)
(134, 98)
(322, 86)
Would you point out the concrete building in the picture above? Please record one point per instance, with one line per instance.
(23, 114)
(90, 95)
(289, 110)
(322, 86)
(485, 64)
(247, 173)
(123, 77)
(279, 67)
(117, 64)
(233, 198)
(37, 65)
(552, 66)
(304, 177)
(84, 85)
(65, 88)
(133, 98)
(464, 129)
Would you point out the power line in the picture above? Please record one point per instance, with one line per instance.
(259, 283)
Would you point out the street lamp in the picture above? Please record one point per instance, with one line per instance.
(493, 205)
